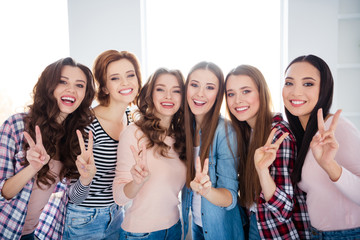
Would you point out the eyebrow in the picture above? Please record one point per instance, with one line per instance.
(163, 85)
(77, 80)
(305, 78)
(208, 83)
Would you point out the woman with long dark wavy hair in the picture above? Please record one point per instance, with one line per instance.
(267, 150)
(327, 166)
(151, 161)
(211, 181)
(118, 77)
(31, 169)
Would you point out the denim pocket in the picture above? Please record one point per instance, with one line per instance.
(76, 219)
(131, 235)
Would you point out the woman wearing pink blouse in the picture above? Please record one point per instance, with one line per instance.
(327, 167)
(150, 170)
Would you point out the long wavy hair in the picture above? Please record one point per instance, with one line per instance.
(150, 124)
(59, 139)
(100, 72)
(208, 127)
(249, 184)
(304, 137)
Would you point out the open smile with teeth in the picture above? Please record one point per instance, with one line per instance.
(199, 103)
(126, 91)
(297, 102)
(68, 99)
(239, 109)
(167, 104)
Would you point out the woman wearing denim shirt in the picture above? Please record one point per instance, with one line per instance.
(211, 184)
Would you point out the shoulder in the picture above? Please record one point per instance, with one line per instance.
(224, 126)
(131, 130)
(15, 122)
(282, 127)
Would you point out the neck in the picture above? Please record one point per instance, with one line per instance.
(165, 122)
(304, 120)
(112, 111)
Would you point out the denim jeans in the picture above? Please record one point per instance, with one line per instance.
(172, 233)
(92, 223)
(197, 232)
(253, 228)
(349, 234)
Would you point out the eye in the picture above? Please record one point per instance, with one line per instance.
(62, 82)
(194, 85)
(80, 85)
(246, 91)
(210, 87)
(159, 89)
(131, 75)
(288, 84)
(309, 84)
(177, 91)
(230, 94)
(114, 78)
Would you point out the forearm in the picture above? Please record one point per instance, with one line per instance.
(131, 189)
(219, 196)
(334, 170)
(16, 183)
(78, 192)
(267, 184)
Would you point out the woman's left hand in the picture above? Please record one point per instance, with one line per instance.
(266, 155)
(324, 145)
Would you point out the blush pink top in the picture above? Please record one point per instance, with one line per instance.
(155, 206)
(335, 205)
(39, 198)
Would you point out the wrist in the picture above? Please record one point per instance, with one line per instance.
(334, 170)
(85, 181)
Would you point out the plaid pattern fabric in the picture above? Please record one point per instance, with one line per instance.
(285, 215)
(13, 211)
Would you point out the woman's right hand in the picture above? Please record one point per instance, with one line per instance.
(36, 154)
(140, 170)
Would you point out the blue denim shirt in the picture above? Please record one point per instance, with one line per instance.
(219, 222)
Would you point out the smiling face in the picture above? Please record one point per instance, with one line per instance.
(242, 97)
(70, 90)
(301, 90)
(201, 92)
(121, 81)
(166, 97)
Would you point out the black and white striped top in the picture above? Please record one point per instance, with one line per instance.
(99, 193)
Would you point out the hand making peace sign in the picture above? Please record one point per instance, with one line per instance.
(324, 145)
(36, 154)
(85, 161)
(140, 171)
(265, 156)
(201, 183)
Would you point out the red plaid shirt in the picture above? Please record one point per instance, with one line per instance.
(285, 215)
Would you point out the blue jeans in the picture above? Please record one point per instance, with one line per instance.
(172, 233)
(349, 234)
(253, 228)
(92, 223)
(197, 232)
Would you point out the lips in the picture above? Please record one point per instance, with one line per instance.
(68, 100)
(241, 109)
(167, 104)
(126, 91)
(297, 103)
(199, 103)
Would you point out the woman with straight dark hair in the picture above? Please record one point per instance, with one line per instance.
(31, 170)
(92, 212)
(150, 171)
(267, 150)
(211, 182)
(327, 167)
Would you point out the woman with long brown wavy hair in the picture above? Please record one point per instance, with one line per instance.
(151, 161)
(30, 170)
(211, 182)
(118, 77)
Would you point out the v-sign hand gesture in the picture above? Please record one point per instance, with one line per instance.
(266, 155)
(36, 154)
(140, 170)
(324, 145)
(201, 183)
(85, 161)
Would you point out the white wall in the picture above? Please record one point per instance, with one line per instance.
(96, 26)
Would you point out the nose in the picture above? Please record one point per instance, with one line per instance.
(71, 88)
(297, 90)
(168, 94)
(200, 93)
(124, 81)
(238, 98)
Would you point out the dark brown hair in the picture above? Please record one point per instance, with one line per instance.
(100, 72)
(150, 124)
(208, 127)
(304, 137)
(59, 139)
(249, 184)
